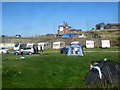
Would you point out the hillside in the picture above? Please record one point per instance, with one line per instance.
(112, 35)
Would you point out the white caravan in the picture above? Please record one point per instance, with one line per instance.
(44, 45)
(58, 45)
(1, 45)
(30, 44)
(105, 43)
(89, 44)
(18, 46)
(7, 45)
(33, 45)
(75, 42)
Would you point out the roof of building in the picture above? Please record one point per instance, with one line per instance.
(113, 24)
(64, 26)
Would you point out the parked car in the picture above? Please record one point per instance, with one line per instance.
(95, 36)
(4, 50)
(26, 51)
(82, 36)
(64, 50)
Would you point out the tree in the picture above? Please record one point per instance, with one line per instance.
(18, 35)
(97, 26)
(100, 25)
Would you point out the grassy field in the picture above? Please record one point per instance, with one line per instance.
(92, 49)
(102, 49)
(53, 70)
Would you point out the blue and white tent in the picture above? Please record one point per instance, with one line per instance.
(75, 50)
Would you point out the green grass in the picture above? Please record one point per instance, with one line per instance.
(92, 49)
(102, 49)
(52, 49)
(49, 71)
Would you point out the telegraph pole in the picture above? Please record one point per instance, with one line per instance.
(54, 28)
(87, 25)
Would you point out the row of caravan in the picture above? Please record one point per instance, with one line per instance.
(40, 46)
(89, 44)
(104, 44)
(55, 45)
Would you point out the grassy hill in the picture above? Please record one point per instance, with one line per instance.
(112, 35)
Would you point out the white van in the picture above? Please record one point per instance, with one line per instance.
(105, 43)
(89, 44)
(26, 51)
(44, 45)
(58, 45)
(3, 50)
